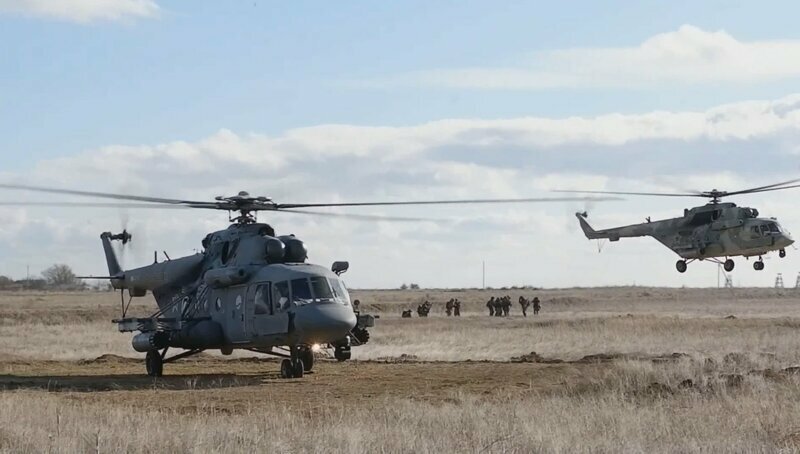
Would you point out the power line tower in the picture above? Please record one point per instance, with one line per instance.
(779, 280)
(797, 282)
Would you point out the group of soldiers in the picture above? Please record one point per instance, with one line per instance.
(453, 307)
(501, 306)
(498, 307)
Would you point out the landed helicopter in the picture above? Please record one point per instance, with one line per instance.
(248, 289)
(713, 232)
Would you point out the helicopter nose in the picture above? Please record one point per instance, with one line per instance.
(324, 322)
(786, 239)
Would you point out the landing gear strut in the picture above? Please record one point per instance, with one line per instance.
(154, 363)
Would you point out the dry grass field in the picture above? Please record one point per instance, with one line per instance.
(614, 370)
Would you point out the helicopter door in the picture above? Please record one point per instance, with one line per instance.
(268, 319)
(238, 319)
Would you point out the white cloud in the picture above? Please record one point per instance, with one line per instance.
(727, 147)
(688, 55)
(82, 11)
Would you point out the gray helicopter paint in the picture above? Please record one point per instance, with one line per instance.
(710, 231)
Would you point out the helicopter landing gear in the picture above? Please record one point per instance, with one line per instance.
(294, 367)
(307, 357)
(681, 266)
(342, 353)
(728, 265)
(782, 253)
(759, 265)
(154, 363)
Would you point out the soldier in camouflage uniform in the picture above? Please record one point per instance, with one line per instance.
(490, 305)
(524, 303)
(457, 308)
(536, 305)
(448, 307)
(498, 307)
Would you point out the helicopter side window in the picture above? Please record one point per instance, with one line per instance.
(764, 229)
(321, 288)
(755, 231)
(280, 295)
(261, 301)
(301, 292)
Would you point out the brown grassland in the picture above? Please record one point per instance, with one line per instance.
(602, 369)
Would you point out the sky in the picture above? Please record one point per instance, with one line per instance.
(313, 101)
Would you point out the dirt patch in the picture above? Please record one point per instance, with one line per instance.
(239, 385)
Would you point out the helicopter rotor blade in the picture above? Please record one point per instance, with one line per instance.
(283, 206)
(769, 187)
(657, 194)
(104, 195)
(96, 205)
(360, 217)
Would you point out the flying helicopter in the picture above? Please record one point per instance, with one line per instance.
(715, 231)
(249, 288)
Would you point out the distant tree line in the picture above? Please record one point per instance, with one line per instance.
(56, 277)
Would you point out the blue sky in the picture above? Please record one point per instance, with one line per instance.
(429, 99)
(269, 66)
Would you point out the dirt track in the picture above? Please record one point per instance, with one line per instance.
(241, 384)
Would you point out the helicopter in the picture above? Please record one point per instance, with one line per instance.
(248, 288)
(715, 231)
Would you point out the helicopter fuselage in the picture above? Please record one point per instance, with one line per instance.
(248, 289)
(712, 231)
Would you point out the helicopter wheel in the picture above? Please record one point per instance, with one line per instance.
(342, 353)
(298, 368)
(680, 265)
(287, 371)
(758, 266)
(154, 364)
(728, 265)
(782, 253)
(307, 357)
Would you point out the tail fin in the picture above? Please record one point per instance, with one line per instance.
(111, 258)
(587, 229)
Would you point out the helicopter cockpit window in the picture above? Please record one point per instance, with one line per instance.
(261, 300)
(340, 291)
(280, 295)
(755, 231)
(322, 290)
(301, 292)
(773, 228)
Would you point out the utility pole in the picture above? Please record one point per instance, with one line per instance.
(483, 274)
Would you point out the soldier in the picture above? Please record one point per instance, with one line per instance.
(524, 303)
(536, 305)
(407, 313)
(448, 307)
(356, 303)
(490, 305)
(498, 307)
(457, 308)
(506, 305)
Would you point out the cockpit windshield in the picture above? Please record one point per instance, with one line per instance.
(765, 229)
(317, 289)
(340, 291)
